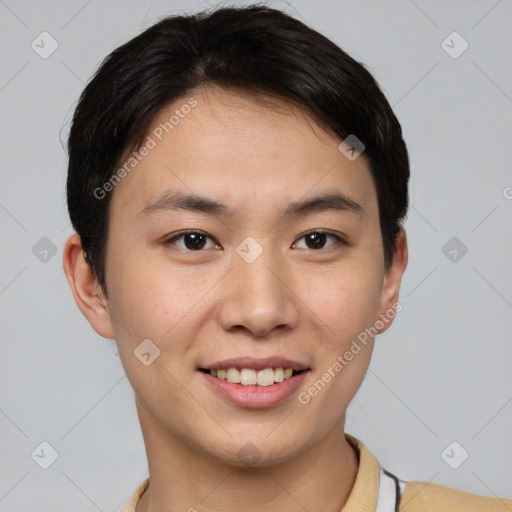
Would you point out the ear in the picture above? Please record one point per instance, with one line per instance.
(391, 285)
(86, 290)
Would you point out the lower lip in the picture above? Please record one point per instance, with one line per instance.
(256, 396)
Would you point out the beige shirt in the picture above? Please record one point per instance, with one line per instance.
(376, 491)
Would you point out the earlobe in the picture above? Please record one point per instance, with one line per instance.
(85, 287)
(391, 286)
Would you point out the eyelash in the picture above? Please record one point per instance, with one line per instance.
(339, 240)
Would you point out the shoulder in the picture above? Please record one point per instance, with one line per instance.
(424, 496)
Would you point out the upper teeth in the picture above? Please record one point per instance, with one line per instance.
(250, 377)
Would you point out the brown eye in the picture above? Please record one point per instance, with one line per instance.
(192, 240)
(316, 239)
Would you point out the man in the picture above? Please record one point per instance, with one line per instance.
(238, 185)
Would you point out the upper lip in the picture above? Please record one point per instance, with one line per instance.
(257, 364)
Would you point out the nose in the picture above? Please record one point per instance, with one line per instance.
(258, 297)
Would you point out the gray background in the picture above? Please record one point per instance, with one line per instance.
(441, 374)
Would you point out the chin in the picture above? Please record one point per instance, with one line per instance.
(256, 453)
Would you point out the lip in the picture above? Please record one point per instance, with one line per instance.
(257, 364)
(255, 397)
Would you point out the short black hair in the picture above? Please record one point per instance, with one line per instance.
(254, 49)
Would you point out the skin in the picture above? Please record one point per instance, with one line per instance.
(202, 306)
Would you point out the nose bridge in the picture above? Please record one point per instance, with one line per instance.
(257, 298)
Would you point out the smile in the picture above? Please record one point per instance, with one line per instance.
(250, 377)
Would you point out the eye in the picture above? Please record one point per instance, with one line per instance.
(192, 240)
(316, 239)
(196, 240)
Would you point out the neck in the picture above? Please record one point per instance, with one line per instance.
(319, 478)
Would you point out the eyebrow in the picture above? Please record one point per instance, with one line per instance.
(327, 201)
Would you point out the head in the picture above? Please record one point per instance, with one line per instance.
(281, 159)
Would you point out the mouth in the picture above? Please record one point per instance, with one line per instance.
(253, 377)
(250, 382)
(266, 384)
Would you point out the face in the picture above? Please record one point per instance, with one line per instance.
(279, 264)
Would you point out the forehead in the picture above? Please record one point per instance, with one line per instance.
(236, 124)
(240, 150)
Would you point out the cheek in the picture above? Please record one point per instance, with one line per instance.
(145, 298)
(348, 299)
(346, 306)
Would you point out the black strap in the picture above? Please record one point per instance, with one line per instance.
(397, 489)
